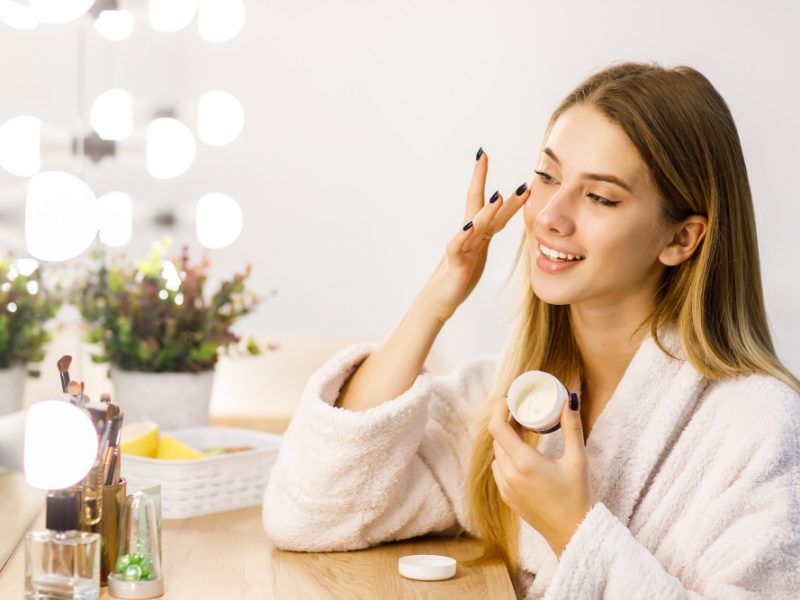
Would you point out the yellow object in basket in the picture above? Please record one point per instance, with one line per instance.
(140, 439)
(171, 449)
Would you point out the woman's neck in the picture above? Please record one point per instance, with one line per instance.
(607, 338)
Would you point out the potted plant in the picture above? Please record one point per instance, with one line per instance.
(162, 334)
(25, 306)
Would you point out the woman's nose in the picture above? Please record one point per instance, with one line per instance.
(556, 215)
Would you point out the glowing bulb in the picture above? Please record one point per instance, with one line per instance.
(219, 20)
(114, 25)
(116, 218)
(25, 266)
(170, 274)
(60, 444)
(168, 16)
(17, 15)
(60, 216)
(220, 118)
(111, 114)
(32, 287)
(56, 12)
(219, 220)
(170, 148)
(20, 152)
(12, 307)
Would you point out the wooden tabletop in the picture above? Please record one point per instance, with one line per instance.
(228, 555)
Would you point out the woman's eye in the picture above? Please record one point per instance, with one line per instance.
(601, 200)
(545, 177)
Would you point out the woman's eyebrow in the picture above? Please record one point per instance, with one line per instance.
(593, 176)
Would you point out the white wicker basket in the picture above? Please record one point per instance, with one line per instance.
(207, 485)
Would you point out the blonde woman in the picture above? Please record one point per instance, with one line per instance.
(676, 475)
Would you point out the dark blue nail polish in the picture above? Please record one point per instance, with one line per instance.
(468, 226)
(521, 189)
(494, 197)
(479, 154)
(573, 401)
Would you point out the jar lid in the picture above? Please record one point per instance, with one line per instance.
(427, 567)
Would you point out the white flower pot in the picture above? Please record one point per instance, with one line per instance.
(173, 400)
(12, 389)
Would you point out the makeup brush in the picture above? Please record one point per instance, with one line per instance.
(63, 370)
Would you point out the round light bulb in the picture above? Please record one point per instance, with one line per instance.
(116, 218)
(219, 20)
(60, 444)
(20, 152)
(114, 25)
(168, 16)
(17, 16)
(220, 118)
(57, 12)
(111, 114)
(218, 221)
(170, 148)
(60, 216)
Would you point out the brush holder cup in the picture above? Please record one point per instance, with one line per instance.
(108, 526)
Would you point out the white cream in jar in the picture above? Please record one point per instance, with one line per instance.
(535, 400)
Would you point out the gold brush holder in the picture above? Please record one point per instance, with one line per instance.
(108, 526)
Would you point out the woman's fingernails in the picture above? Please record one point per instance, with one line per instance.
(468, 226)
(479, 154)
(494, 197)
(573, 401)
(521, 189)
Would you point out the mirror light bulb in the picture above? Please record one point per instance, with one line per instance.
(60, 444)
(57, 12)
(219, 20)
(170, 148)
(20, 146)
(116, 218)
(60, 216)
(220, 118)
(218, 221)
(18, 16)
(167, 16)
(111, 115)
(114, 25)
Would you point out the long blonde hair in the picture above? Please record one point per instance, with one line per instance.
(685, 134)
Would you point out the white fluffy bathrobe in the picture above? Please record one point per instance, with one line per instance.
(697, 483)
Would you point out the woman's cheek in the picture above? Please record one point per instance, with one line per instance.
(529, 211)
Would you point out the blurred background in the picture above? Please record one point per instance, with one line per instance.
(330, 145)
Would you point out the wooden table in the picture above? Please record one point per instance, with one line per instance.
(228, 555)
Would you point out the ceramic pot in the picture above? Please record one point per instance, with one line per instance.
(173, 400)
(12, 389)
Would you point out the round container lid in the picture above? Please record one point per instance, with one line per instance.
(119, 588)
(427, 567)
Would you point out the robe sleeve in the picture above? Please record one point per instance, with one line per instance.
(745, 543)
(346, 480)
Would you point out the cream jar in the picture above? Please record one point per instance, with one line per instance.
(535, 400)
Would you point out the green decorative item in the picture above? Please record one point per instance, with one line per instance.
(154, 317)
(25, 307)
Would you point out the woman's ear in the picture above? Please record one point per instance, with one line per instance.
(686, 237)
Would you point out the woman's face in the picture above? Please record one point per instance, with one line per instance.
(591, 201)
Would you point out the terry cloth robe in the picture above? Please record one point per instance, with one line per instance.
(696, 483)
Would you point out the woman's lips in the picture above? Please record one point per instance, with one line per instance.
(548, 265)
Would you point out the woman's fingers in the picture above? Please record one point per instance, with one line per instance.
(476, 186)
(482, 224)
(511, 206)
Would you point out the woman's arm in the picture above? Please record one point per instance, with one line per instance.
(394, 365)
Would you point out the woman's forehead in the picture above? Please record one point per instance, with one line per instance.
(583, 140)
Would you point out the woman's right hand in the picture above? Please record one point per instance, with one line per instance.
(461, 267)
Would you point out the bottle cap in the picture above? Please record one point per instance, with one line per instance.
(62, 511)
(427, 567)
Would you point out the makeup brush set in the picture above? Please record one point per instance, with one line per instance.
(107, 419)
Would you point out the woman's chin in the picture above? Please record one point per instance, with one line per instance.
(552, 294)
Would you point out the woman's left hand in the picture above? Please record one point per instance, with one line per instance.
(552, 495)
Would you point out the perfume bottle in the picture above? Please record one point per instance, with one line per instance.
(60, 562)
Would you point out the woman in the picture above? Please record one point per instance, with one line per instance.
(677, 475)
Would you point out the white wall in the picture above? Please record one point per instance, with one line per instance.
(363, 119)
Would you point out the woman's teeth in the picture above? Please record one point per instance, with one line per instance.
(555, 255)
